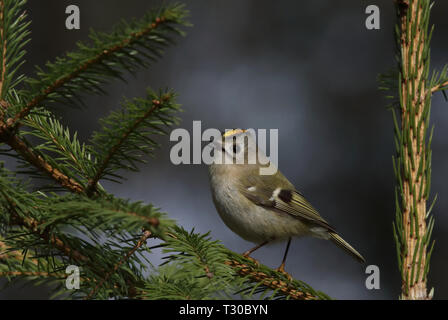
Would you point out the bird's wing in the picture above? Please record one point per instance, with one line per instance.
(284, 199)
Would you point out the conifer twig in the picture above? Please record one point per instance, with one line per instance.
(6, 253)
(28, 274)
(128, 47)
(13, 39)
(269, 281)
(141, 242)
(439, 86)
(53, 137)
(412, 165)
(208, 255)
(39, 162)
(93, 182)
(131, 46)
(35, 101)
(32, 225)
(3, 48)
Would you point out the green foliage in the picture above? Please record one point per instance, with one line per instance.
(72, 219)
(200, 251)
(194, 269)
(439, 81)
(17, 267)
(14, 37)
(130, 46)
(103, 230)
(98, 233)
(404, 137)
(410, 89)
(198, 268)
(58, 146)
(128, 134)
(170, 283)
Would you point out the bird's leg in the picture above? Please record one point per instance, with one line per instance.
(248, 252)
(282, 266)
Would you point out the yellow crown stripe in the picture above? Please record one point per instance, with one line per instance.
(233, 132)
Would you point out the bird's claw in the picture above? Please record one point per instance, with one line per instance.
(281, 269)
(255, 261)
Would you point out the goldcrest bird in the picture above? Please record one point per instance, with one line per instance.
(262, 208)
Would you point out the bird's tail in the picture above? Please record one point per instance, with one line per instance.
(344, 245)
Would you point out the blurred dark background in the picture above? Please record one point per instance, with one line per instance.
(307, 68)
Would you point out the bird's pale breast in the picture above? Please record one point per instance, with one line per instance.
(252, 222)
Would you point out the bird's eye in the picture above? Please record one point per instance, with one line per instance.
(236, 148)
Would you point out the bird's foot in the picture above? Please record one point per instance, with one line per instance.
(281, 269)
(255, 261)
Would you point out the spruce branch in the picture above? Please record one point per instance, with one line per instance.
(44, 215)
(127, 135)
(72, 155)
(438, 87)
(87, 226)
(167, 283)
(14, 266)
(411, 89)
(13, 38)
(216, 271)
(33, 226)
(115, 215)
(39, 161)
(140, 242)
(43, 222)
(24, 274)
(260, 279)
(55, 227)
(3, 48)
(439, 81)
(272, 282)
(206, 256)
(130, 46)
(8, 254)
(10, 259)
